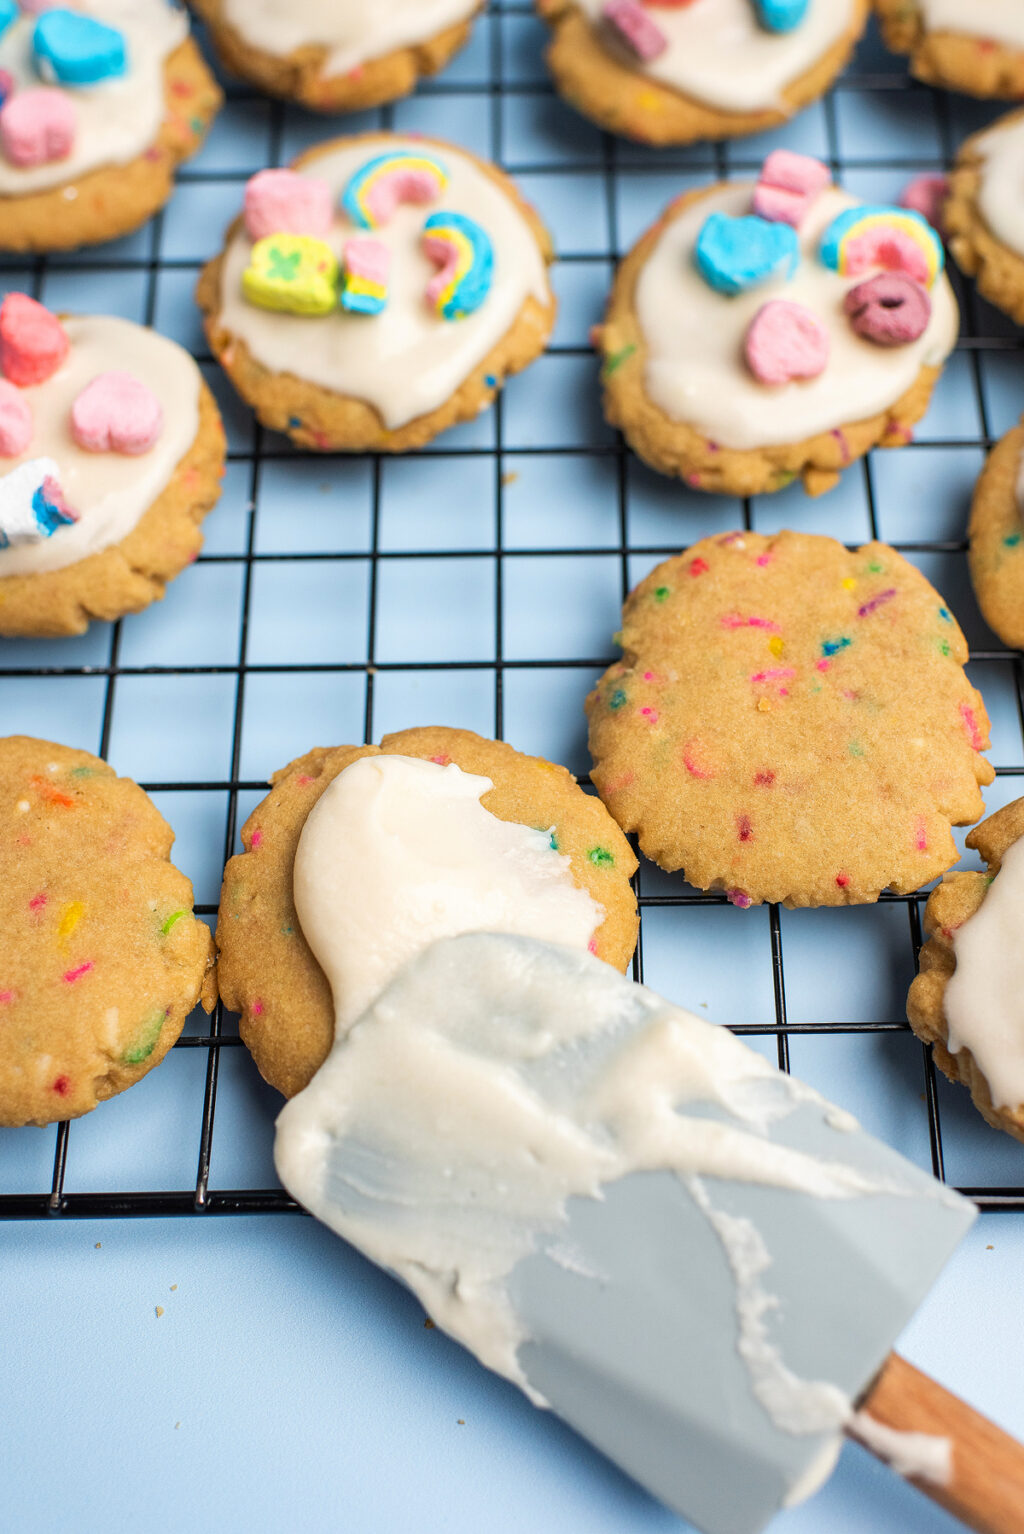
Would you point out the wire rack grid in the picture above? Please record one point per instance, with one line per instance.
(476, 583)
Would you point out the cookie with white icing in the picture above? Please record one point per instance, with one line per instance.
(996, 531)
(977, 48)
(790, 721)
(101, 102)
(434, 832)
(378, 292)
(968, 1000)
(662, 73)
(984, 213)
(337, 55)
(102, 958)
(747, 339)
(111, 453)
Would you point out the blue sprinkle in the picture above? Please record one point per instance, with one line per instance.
(945, 613)
(491, 381)
(833, 646)
(294, 421)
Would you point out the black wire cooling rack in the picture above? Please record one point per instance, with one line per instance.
(608, 164)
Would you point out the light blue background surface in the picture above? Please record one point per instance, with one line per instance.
(288, 1385)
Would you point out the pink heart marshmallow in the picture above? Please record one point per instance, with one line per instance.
(283, 202)
(785, 342)
(33, 343)
(116, 413)
(37, 126)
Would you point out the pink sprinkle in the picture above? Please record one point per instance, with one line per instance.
(775, 672)
(257, 838)
(620, 783)
(744, 828)
(37, 902)
(651, 676)
(256, 1008)
(304, 781)
(690, 762)
(920, 834)
(592, 945)
(71, 975)
(763, 559)
(977, 739)
(738, 898)
(823, 665)
(6, 997)
(712, 447)
(736, 621)
(650, 714)
(441, 761)
(693, 480)
(764, 779)
(842, 880)
(876, 602)
(844, 446)
(698, 567)
(62, 1086)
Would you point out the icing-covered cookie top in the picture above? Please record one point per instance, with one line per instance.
(822, 344)
(85, 88)
(998, 21)
(352, 31)
(394, 278)
(999, 199)
(133, 397)
(727, 53)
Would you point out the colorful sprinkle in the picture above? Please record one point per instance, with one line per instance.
(699, 567)
(833, 646)
(876, 602)
(601, 857)
(37, 902)
(648, 713)
(1011, 540)
(974, 734)
(257, 838)
(776, 646)
(615, 361)
(823, 665)
(693, 751)
(51, 795)
(69, 918)
(842, 880)
(62, 1086)
(849, 584)
(171, 921)
(744, 830)
(256, 1009)
(765, 778)
(6, 997)
(737, 621)
(855, 748)
(662, 594)
(145, 1040)
(71, 975)
(738, 898)
(921, 834)
(617, 700)
(945, 615)
(553, 841)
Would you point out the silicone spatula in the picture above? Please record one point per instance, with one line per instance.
(693, 1259)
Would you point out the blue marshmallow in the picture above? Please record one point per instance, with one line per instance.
(781, 15)
(73, 49)
(734, 254)
(9, 14)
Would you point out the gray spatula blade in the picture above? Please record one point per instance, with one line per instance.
(706, 1331)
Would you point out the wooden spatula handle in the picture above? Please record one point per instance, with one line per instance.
(986, 1489)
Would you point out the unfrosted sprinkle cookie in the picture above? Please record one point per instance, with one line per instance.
(337, 55)
(996, 532)
(111, 454)
(790, 721)
(663, 72)
(968, 1000)
(757, 333)
(984, 214)
(434, 832)
(102, 958)
(378, 292)
(976, 47)
(101, 101)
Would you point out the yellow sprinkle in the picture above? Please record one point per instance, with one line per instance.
(69, 918)
(763, 706)
(649, 100)
(849, 583)
(776, 645)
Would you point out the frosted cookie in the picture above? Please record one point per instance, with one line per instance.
(790, 721)
(432, 833)
(99, 104)
(977, 48)
(102, 959)
(378, 293)
(760, 332)
(996, 532)
(111, 454)
(337, 55)
(968, 1000)
(984, 216)
(663, 72)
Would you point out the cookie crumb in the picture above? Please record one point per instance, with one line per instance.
(429, 1325)
(461, 1421)
(990, 1249)
(159, 1311)
(173, 1287)
(98, 1245)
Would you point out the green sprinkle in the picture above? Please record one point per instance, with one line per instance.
(783, 478)
(833, 646)
(145, 1040)
(287, 931)
(943, 645)
(617, 699)
(617, 638)
(554, 841)
(601, 857)
(876, 567)
(1011, 540)
(662, 594)
(174, 917)
(855, 748)
(82, 772)
(615, 361)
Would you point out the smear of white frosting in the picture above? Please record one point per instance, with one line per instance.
(1000, 194)
(354, 31)
(694, 338)
(117, 119)
(110, 491)
(916, 1456)
(398, 852)
(719, 53)
(984, 1000)
(998, 21)
(406, 361)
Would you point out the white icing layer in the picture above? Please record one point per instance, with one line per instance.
(984, 1000)
(353, 31)
(109, 491)
(998, 21)
(407, 361)
(917, 1456)
(398, 852)
(694, 337)
(719, 54)
(117, 119)
(494, 1079)
(1001, 189)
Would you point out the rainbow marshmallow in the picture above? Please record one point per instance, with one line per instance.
(374, 192)
(32, 505)
(896, 239)
(364, 280)
(465, 255)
